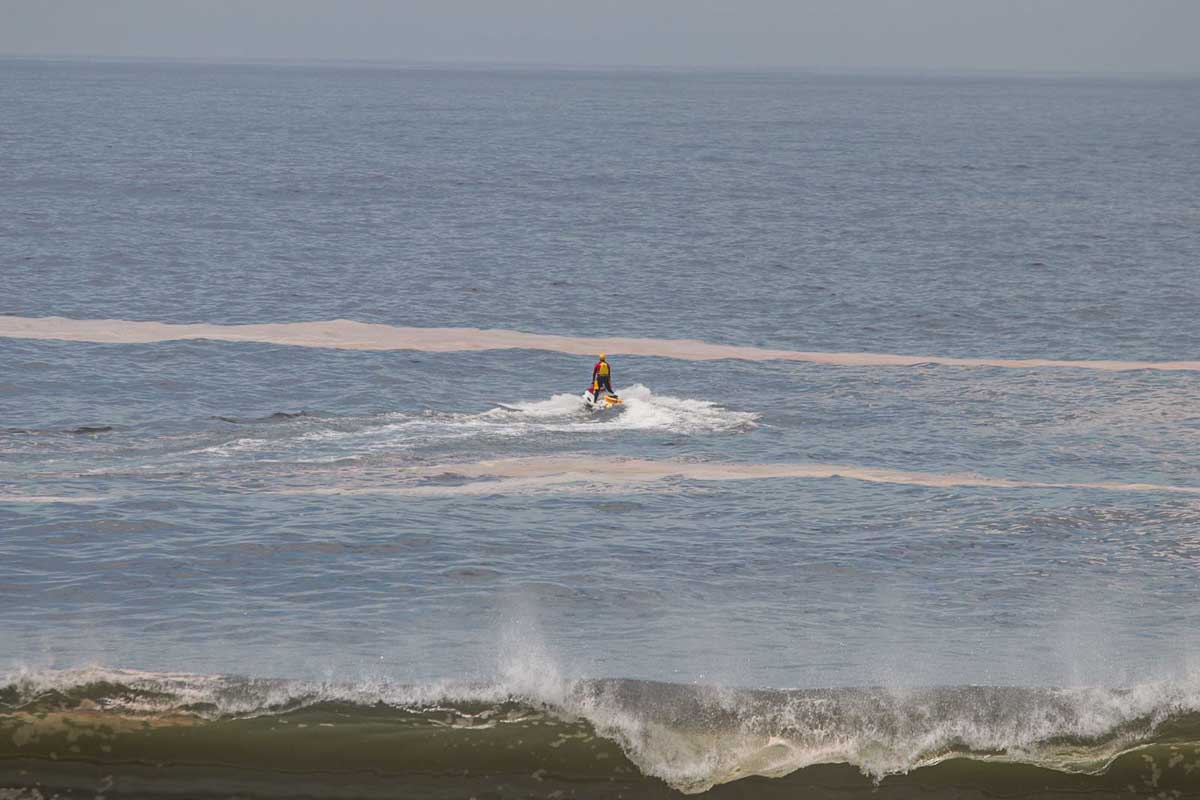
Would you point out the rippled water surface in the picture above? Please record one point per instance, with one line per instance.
(411, 516)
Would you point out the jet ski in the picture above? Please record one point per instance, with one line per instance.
(605, 401)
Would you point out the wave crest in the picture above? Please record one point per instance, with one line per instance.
(692, 737)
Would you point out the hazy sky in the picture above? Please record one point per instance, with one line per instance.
(1117, 35)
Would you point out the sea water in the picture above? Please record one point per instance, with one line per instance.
(905, 480)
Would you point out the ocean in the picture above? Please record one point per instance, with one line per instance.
(299, 497)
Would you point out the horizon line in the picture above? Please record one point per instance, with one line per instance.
(734, 67)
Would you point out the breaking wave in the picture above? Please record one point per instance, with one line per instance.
(535, 732)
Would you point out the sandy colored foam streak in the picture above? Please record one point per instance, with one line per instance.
(350, 335)
(51, 498)
(515, 475)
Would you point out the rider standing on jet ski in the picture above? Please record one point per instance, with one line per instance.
(601, 378)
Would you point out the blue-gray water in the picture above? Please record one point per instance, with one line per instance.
(995, 217)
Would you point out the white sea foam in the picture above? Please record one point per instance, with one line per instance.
(643, 410)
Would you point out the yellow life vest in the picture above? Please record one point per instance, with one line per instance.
(603, 369)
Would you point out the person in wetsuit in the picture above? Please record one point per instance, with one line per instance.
(601, 378)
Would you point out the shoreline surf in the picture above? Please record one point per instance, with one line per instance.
(536, 735)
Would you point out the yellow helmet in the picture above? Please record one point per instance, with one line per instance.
(602, 356)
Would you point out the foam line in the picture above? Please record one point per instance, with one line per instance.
(502, 476)
(349, 335)
(46, 498)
